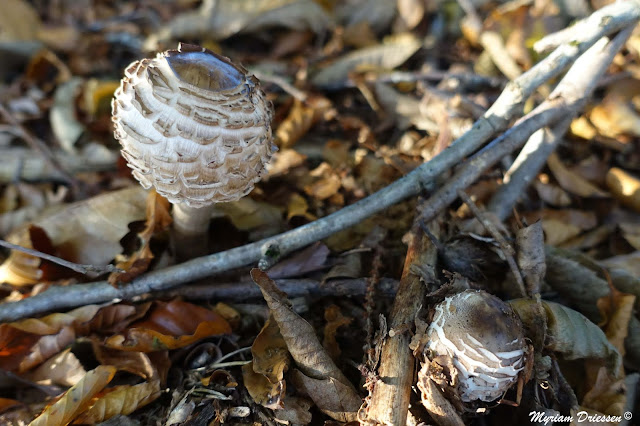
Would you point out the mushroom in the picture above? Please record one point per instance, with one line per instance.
(197, 128)
(481, 339)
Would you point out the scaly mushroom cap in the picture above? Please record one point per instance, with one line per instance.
(193, 125)
(484, 338)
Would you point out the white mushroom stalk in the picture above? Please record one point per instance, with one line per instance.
(197, 128)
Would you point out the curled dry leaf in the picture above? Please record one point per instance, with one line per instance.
(170, 325)
(302, 116)
(27, 343)
(570, 333)
(552, 194)
(219, 19)
(261, 390)
(86, 232)
(77, 398)
(624, 187)
(63, 369)
(572, 182)
(615, 116)
(270, 359)
(392, 53)
(325, 384)
(158, 220)
(120, 400)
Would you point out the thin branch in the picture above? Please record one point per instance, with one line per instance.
(495, 119)
(282, 83)
(78, 267)
(506, 248)
(526, 167)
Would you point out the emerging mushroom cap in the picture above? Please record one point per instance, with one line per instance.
(193, 125)
(484, 339)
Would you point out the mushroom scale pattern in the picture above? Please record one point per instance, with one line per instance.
(484, 338)
(193, 125)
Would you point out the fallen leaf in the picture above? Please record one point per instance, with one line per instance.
(335, 320)
(77, 398)
(269, 350)
(310, 259)
(614, 116)
(629, 262)
(571, 181)
(86, 232)
(552, 194)
(624, 187)
(158, 220)
(262, 390)
(63, 369)
(393, 52)
(18, 21)
(326, 385)
(170, 325)
(120, 400)
(332, 397)
(570, 333)
(302, 116)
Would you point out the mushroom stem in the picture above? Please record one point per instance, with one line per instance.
(190, 230)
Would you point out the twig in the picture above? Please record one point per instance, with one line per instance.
(244, 291)
(506, 248)
(78, 267)
(526, 167)
(495, 119)
(389, 401)
(616, 15)
(567, 98)
(39, 146)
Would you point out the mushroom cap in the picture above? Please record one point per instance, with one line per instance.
(193, 125)
(484, 339)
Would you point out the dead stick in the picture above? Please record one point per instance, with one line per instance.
(389, 401)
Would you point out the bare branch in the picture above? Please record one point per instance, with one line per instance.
(78, 267)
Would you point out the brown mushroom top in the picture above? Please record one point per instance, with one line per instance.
(193, 125)
(484, 339)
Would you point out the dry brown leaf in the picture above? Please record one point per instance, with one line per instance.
(392, 52)
(269, 350)
(219, 19)
(316, 368)
(629, 262)
(120, 400)
(624, 187)
(302, 116)
(552, 194)
(332, 397)
(405, 108)
(18, 21)
(77, 398)
(63, 369)
(616, 310)
(137, 363)
(631, 233)
(86, 232)
(298, 206)
(261, 390)
(27, 343)
(327, 185)
(614, 116)
(410, 13)
(158, 220)
(607, 395)
(335, 320)
(283, 161)
(170, 325)
(247, 214)
(307, 260)
(571, 181)
(295, 411)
